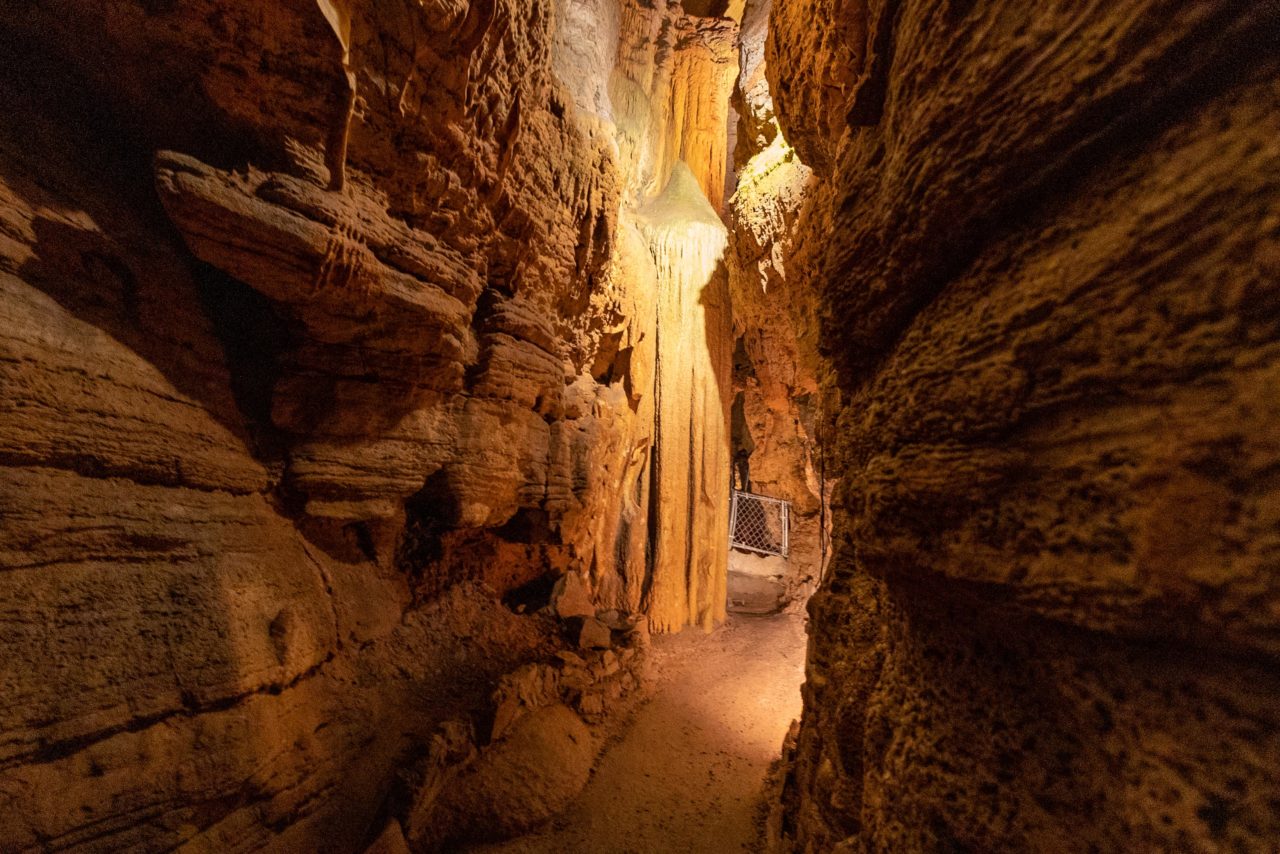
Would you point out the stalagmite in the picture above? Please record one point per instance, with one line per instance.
(338, 15)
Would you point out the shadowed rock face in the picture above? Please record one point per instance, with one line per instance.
(1046, 266)
(325, 325)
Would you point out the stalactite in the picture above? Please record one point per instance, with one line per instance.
(339, 17)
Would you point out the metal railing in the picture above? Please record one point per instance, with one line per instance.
(759, 524)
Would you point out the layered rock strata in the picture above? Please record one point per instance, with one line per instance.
(327, 324)
(1044, 246)
(540, 737)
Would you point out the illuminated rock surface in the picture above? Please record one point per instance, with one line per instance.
(688, 773)
(778, 407)
(273, 450)
(691, 456)
(372, 375)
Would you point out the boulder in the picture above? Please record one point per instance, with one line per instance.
(522, 780)
(571, 598)
(594, 635)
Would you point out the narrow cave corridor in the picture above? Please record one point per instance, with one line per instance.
(634, 426)
(687, 772)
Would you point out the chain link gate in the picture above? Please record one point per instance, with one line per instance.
(759, 524)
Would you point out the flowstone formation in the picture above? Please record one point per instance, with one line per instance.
(371, 390)
(691, 456)
(327, 325)
(1044, 246)
(671, 111)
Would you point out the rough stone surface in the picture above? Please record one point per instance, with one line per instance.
(433, 792)
(326, 328)
(1045, 251)
(390, 841)
(687, 773)
(570, 597)
(324, 325)
(778, 406)
(533, 773)
(594, 634)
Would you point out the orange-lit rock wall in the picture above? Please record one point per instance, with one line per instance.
(779, 403)
(326, 324)
(1043, 241)
(670, 94)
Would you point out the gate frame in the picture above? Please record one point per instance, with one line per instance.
(764, 499)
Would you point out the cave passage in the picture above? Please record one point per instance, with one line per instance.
(382, 381)
(689, 772)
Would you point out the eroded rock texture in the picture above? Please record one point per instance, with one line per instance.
(1045, 246)
(777, 411)
(325, 324)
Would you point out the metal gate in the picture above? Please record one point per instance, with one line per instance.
(759, 524)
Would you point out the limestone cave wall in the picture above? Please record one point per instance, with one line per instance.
(779, 402)
(325, 325)
(1044, 245)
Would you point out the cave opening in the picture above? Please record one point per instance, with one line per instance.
(639, 426)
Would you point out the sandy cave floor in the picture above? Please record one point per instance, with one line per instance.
(687, 774)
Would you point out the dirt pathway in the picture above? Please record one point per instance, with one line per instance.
(687, 775)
